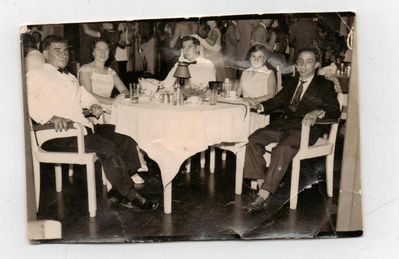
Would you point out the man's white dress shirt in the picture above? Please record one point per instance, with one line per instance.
(51, 93)
(201, 73)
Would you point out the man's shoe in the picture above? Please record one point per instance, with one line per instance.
(257, 205)
(139, 202)
(144, 204)
(136, 178)
(117, 198)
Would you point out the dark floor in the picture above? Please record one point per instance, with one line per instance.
(204, 207)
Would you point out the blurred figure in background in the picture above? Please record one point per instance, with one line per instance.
(184, 28)
(230, 39)
(147, 45)
(262, 35)
(167, 55)
(33, 58)
(304, 33)
(244, 37)
(211, 47)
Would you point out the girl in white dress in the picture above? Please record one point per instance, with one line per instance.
(257, 84)
(100, 80)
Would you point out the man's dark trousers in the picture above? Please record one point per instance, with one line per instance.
(117, 153)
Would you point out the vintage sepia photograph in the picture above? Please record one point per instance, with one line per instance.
(231, 127)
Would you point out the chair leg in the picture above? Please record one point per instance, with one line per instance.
(70, 170)
(296, 166)
(202, 161)
(188, 165)
(330, 174)
(36, 176)
(212, 160)
(103, 178)
(224, 155)
(91, 189)
(167, 199)
(240, 157)
(58, 178)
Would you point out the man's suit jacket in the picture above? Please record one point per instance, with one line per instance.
(320, 95)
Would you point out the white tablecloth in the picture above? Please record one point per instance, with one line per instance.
(170, 134)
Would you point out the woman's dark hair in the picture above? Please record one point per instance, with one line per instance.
(256, 48)
(93, 45)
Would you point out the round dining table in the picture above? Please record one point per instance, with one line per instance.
(170, 134)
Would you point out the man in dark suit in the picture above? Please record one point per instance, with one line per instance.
(303, 99)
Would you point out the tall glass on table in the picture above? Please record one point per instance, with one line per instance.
(213, 94)
(134, 90)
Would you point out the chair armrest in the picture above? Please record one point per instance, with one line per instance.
(47, 126)
(326, 121)
(76, 130)
(305, 131)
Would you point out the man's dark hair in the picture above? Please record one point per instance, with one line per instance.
(187, 38)
(52, 39)
(313, 50)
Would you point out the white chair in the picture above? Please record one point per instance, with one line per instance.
(323, 147)
(41, 133)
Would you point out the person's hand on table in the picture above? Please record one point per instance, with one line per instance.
(60, 123)
(252, 103)
(311, 117)
(121, 96)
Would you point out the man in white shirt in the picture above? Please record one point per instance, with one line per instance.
(55, 96)
(201, 69)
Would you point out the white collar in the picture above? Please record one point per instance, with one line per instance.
(262, 69)
(308, 80)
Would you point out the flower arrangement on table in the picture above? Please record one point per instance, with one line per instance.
(195, 90)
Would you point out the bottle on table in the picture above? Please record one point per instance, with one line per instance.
(226, 87)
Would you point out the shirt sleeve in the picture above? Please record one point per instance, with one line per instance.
(37, 107)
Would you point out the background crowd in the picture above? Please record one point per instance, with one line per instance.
(151, 48)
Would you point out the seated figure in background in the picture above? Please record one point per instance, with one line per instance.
(257, 84)
(55, 96)
(100, 80)
(201, 69)
(303, 99)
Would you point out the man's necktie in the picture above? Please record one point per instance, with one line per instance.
(297, 97)
(63, 71)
